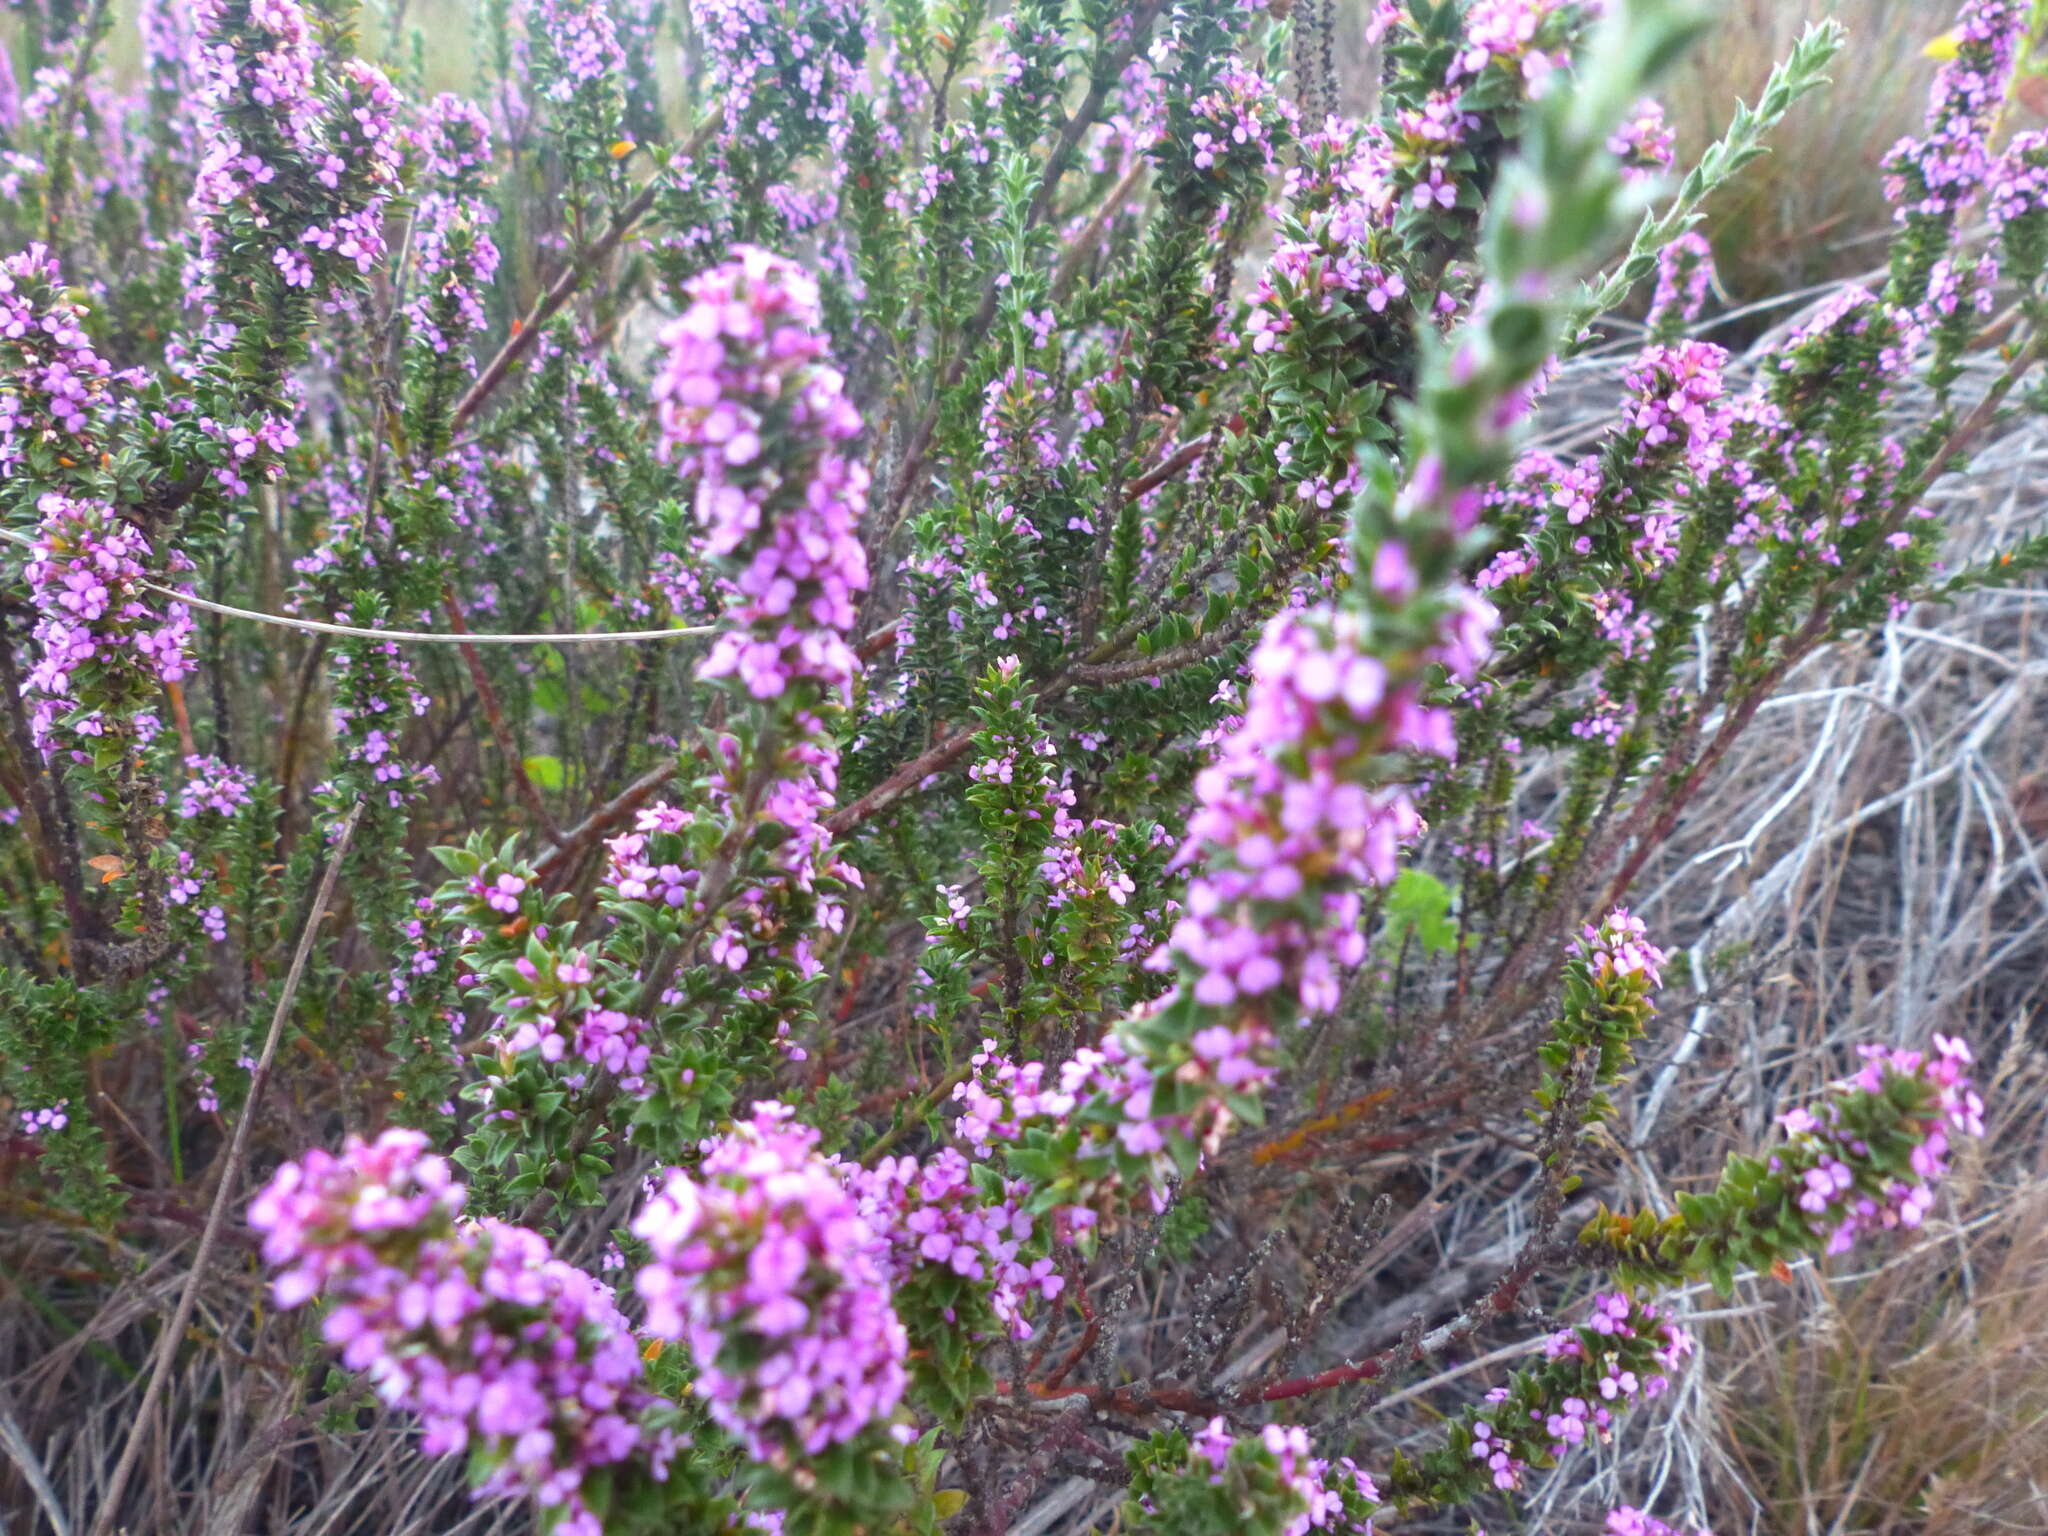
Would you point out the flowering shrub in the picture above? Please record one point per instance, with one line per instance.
(968, 614)
(500, 1348)
(769, 1268)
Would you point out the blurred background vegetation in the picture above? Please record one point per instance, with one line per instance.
(1813, 210)
(1809, 213)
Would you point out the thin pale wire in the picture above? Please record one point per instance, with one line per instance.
(407, 636)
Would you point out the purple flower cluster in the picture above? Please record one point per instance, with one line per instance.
(1933, 177)
(1239, 125)
(1332, 1493)
(1516, 36)
(1521, 43)
(454, 257)
(1644, 142)
(214, 785)
(579, 43)
(932, 1212)
(1853, 341)
(1080, 863)
(563, 1010)
(762, 68)
(1339, 187)
(1686, 442)
(755, 418)
(54, 386)
(105, 641)
(637, 870)
(308, 161)
(300, 156)
(1426, 148)
(505, 1352)
(1121, 1105)
(1619, 1356)
(52, 1117)
(1671, 409)
(2019, 182)
(1018, 443)
(1841, 1198)
(374, 695)
(763, 1262)
(363, 136)
(1304, 277)
(1959, 288)
(1685, 272)
(1286, 828)
(1620, 948)
(165, 27)
(776, 916)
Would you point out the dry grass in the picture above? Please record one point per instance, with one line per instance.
(1913, 1399)
(1868, 866)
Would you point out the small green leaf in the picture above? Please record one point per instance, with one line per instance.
(1419, 903)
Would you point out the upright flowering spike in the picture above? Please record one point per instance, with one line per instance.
(107, 643)
(299, 163)
(1685, 273)
(374, 695)
(1931, 179)
(300, 157)
(454, 257)
(763, 1262)
(1295, 817)
(790, 77)
(1286, 827)
(1610, 976)
(757, 422)
(754, 417)
(579, 46)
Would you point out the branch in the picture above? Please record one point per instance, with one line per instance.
(507, 748)
(578, 838)
(1801, 72)
(1084, 115)
(527, 331)
(1182, 458)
